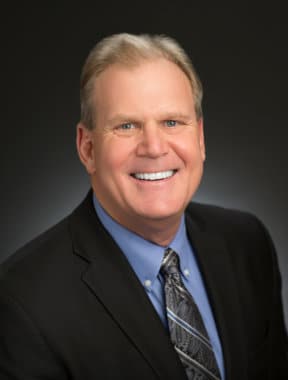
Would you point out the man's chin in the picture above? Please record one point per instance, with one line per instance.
(160, 213)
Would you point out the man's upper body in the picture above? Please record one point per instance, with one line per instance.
(72, 305)
(73, 308)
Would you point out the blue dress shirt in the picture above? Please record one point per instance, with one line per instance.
(145, 258)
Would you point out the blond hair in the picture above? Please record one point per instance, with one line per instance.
(130, 50)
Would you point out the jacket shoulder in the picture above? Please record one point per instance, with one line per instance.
(219, 217)
(41, 249)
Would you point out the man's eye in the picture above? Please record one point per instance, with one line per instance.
(126, 129)
(126, 126)
(171, 123)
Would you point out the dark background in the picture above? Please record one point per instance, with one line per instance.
(241, 56)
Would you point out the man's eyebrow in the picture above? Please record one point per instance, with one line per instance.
(176, 115)
(120, 118)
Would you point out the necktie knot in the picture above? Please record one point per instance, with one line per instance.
(170, 264)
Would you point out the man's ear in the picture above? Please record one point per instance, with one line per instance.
(202, 139)
(84, 142)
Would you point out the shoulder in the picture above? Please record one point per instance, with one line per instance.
(50, 263)
(42, 274)
(244, 237)
(36, 272)
(244, 234)
(224, 220)
(52, 246)
(39, 249)
(207, 213)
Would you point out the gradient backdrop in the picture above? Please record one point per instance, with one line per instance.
(241, 56)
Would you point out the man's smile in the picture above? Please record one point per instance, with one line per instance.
(156, 176)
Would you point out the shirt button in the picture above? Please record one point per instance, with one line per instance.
(186, 272)
(147, 283)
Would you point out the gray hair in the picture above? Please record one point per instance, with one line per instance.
(130, 50)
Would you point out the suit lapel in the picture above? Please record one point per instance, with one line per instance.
(112, 280)
(215, 264)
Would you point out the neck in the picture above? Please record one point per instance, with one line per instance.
(160, 232)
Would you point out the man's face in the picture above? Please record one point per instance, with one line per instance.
(147, 147)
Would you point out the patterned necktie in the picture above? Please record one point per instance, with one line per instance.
(187, 330)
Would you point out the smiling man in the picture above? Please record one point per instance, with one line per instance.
(145, 154)
(139, 282)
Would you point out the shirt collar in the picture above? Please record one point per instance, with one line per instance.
(144, 256)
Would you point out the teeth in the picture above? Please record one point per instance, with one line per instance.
(154, 176)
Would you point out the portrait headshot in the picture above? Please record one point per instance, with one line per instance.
(144, 238)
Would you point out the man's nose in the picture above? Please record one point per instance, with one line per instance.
(153, 142)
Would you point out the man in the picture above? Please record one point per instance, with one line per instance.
(139, 283)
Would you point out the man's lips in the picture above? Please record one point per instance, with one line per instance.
(154, 176)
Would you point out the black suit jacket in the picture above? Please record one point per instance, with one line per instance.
(71, 307)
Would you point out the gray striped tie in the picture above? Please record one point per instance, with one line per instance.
(187, 329)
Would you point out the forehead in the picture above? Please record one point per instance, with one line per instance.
(140, 70)
(150, 86)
